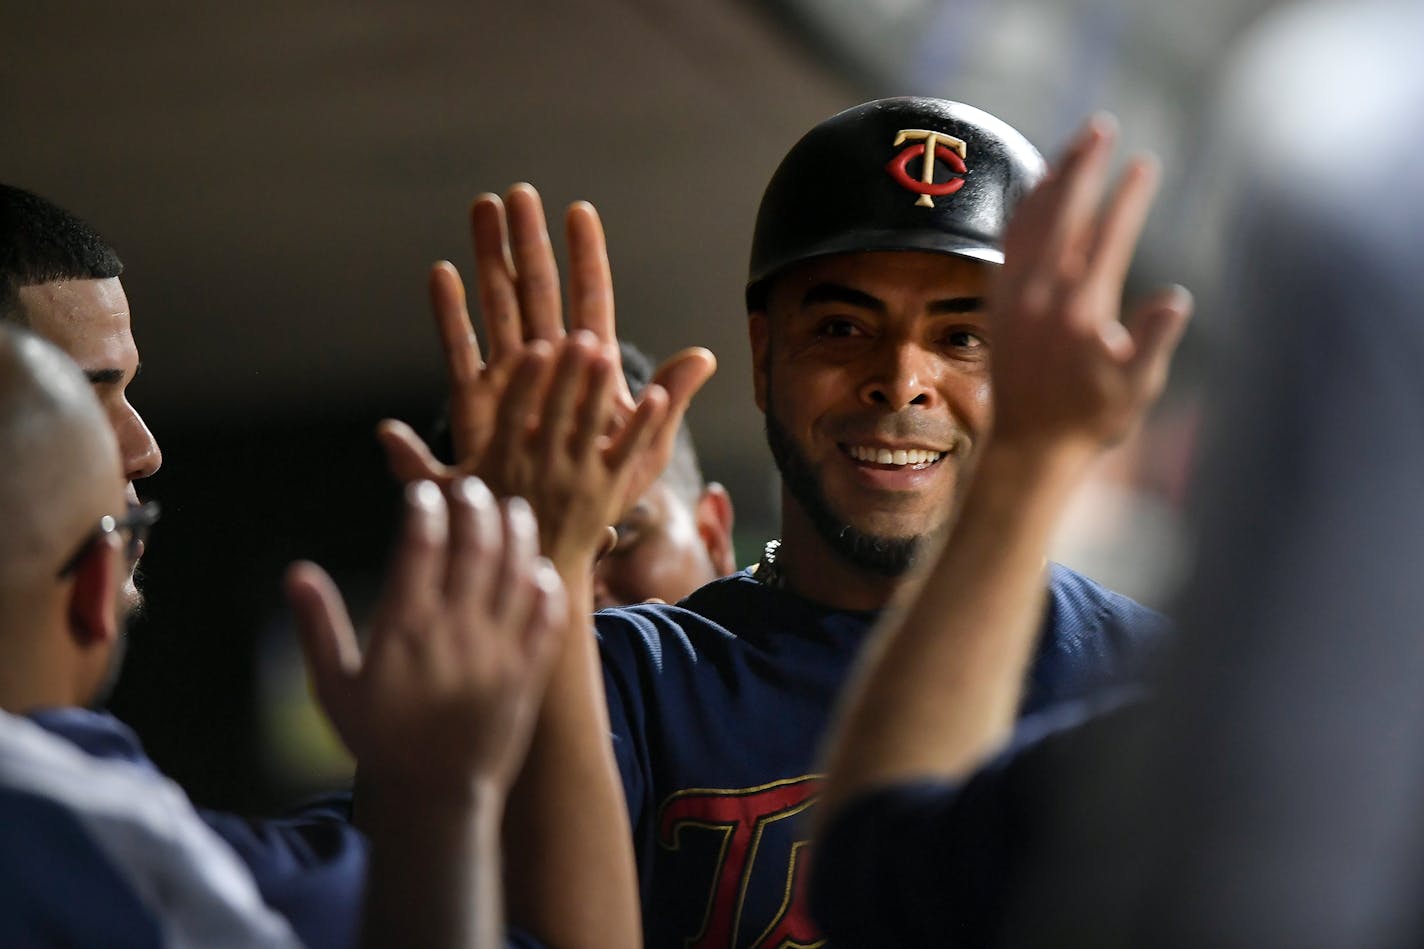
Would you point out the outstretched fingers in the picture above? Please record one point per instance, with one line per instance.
(476, 545)
(516, 409)
(559, 422)
(1155, 328)
(328, 641)
(407, 456)
(591, 285)
(452, 321)
(595, 410)
(1074, 205)
(682, 375)
(417, 574)
(462, 357)
(494, 276)
(649, 422)
(521, 546)
(1121, 222)
(537, 275)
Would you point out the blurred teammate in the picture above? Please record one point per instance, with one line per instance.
(59, 278)
(1272, 794)
(101, 849)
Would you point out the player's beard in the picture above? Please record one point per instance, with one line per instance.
(886, 556)
(132, 604)
(129, 606)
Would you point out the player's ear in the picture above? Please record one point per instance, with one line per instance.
(759, 330)
(93, 601)
(714, 526)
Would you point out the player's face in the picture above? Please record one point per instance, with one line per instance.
(873, 372)
(89, 320)
(661, 553)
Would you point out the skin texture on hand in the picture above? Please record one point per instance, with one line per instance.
(1065, 368)
(553, 453)
(520, 298)
(938, 687)
(463, 635)
(548, 416)
(439, 707)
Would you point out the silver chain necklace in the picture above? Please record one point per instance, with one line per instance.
(768, 571)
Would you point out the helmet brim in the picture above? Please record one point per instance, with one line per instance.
(875, 241)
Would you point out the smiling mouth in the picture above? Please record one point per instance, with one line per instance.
(913, 458)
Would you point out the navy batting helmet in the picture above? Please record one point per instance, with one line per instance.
(893, 174)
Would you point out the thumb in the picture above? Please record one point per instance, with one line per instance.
(1156, 326)
(328, 642)
(605, 547)
(682, 375)
(407, 456)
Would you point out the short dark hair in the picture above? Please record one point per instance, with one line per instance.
(40, 242)
(684, 472)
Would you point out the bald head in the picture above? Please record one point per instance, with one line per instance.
(61, 471)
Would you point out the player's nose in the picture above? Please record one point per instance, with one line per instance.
(141, 455)
(901, 375)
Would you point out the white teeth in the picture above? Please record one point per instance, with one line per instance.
(899, 456)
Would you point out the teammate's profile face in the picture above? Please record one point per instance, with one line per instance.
(89, 321)
(873, 372)
(661, 552)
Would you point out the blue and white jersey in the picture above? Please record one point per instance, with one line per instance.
(97, 852)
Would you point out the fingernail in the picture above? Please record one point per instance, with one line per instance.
(546, 576)
(1103, 123)
(518, 507)
(474, 492)
(423, 494)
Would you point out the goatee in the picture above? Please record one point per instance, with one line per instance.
(886, 556)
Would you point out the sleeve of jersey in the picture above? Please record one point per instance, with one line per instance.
(309, 867)
(516, 939)
(901, 867)
(626, 642)
(932, 863)
(58, 888)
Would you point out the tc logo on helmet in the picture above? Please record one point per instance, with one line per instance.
(932, 145)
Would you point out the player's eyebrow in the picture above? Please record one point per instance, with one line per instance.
(957, 305)
(108, 377)
(839, 293)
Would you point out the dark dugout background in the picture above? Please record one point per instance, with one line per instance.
(278, 177)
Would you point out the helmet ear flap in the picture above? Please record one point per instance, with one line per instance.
(907, 173)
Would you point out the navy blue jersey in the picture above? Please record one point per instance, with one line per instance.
(935, 863)
(107, 852)
(718, 706)
(310, 867)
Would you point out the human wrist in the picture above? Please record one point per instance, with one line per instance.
(572, 557)
(441, 800)
(1036, 456)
